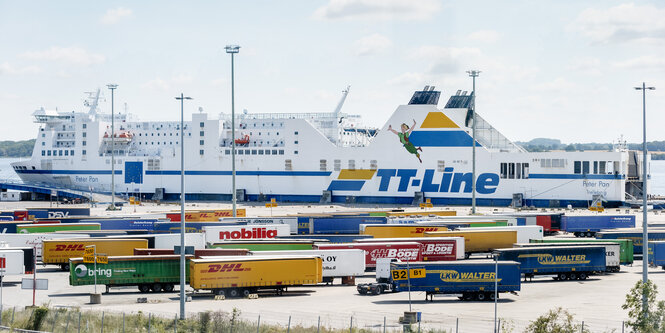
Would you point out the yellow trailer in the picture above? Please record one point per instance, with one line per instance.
(236, 276)
(422, 213)
(399, 230)
(480, 241)
(59, 251)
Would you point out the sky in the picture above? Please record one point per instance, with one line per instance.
(553, 69)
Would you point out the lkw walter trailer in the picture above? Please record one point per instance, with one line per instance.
(564, 262)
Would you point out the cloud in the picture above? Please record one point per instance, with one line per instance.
(558, 85)
(113, 16)
(409, 79)
(622, 23)
(372, 44)
(648, 62)
(380, 10)
(6, 68)
(588, 65)
(446, 60)
(166, 84)
(485, 36)
(71, 55)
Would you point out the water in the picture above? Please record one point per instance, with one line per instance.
(657, 174)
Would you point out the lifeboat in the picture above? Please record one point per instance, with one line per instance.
(243, 141)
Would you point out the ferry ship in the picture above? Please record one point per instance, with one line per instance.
(422, 152)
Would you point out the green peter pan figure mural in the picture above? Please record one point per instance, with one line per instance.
(404, 139)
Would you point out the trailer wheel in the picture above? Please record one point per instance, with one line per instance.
(64, 267)
(144, 288)
(234, 293)
(168, 288)
(378, 290)
(583, 276)
(577, 234)
(562, 276)
(246, 292)
(468, 296)
(219, 292)
(589, 234)
(491, 296)
(156, 287)
(481, 296)
(573, 276)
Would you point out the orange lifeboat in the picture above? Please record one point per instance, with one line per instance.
(243, 141)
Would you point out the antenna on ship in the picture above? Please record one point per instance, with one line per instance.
(345, 92)
(92, 101)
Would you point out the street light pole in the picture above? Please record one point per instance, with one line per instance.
(645, 234)
(233, 49)
(473, 73)
(112, 87)
(182, 99)
(496, 288)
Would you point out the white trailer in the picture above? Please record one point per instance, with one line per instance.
(336, 263)
(217, 234)
(524, 232)
(11, 262)
(612, 251)
(168, 241)
(35, 240)
(291, 221)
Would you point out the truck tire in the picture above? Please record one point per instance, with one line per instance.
(468, 296)
(144, 288)
(363, 291)
(168, 288)
(64, 267)
(234, 293)
(156, 287)
(562, 276)
(491, 297)
(573, 276)
(246, 292)
(220, 292)
(378, 290)
(583, 276)
(481, 296)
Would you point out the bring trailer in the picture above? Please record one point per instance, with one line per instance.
(55, 227)
(197, 252)
(469, 280)
(564, 262)
(59, 251)
(149, 273)
(625, 245)
(612, 251)
(244, 275)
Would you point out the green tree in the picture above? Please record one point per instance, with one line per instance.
(555, 321)
(653, 319)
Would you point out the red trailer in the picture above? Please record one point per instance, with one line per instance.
(405, 251)
(432, 248)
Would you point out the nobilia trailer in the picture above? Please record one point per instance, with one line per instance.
(564, 262)
(612, 251)
(471, 280)
(243, 275)
(149, 273)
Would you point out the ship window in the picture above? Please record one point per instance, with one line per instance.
(201, 142)
(260, 151)
(84, 134)
(352, 164)
(577, 167)
(85, 125)
(519, 170)
(201, 124)
(59, 152)
(601, 167)
(295, 152)
(49, 153)
(66, 152)
(274, 151)
(373, 165)
(43, 153)
(287, 165)
(43, 143)
(43, 135)
(504, 170)
(253, 151)
(201, 152)
(525, 170)
(246, 151)
(511, 170)
(295, 142)
(337, 165)
(267, 152)
(281, 151)
(239, 152)
(85, 143)
(323, 165)
(83, 152)
(595, 167)
(296, 132)
(585, 167)
(201, 133)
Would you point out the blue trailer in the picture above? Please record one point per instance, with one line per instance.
(588, 225)
(470, 280)
(173, 227)
(58, 212)
(126, 223)
(342, 225)
(565, 262)
(633, 234)
(657, 254)
(329, 238)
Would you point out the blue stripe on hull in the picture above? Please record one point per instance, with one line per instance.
(240, 173)
(70, 172)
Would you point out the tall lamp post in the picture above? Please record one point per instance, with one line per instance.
(645, 235)
(474, 74)
(182, 99)
(112, 87)
(233, 49)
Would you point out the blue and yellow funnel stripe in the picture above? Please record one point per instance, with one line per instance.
(444, 133)
(351, 180)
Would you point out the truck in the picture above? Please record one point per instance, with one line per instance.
(468, 280)
(625, 245)
(217, 234)
(344, 264)
(245, 275)
(59, 251)
(11, 262)
(266, 245)
(589, 225)
(198, 253)
(657, 254)
(524, 233)
(154, 273)
(53, 227)
(480, 241)
(291, 221)
(612, 250)
(432, 248)
(349, 225)
(399, 230)
(564, 262)
(399, 250)
(635, 235)
(35, 240)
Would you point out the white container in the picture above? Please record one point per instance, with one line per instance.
(336, 263)
(291, 221)
(35, 240)
(13, 262)
(383, 268)
(168, 241)
(217, 234)
(10, 196)
(524, 232)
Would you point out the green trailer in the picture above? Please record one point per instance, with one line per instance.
(266, 245)
(149, 273)
(54, 227)
(625, 245)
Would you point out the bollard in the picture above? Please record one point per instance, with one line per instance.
(258, 324)
(351, 325)
(623, 326)
(418, 326)
(384, 324)
(498, 327)
(149, 317)
(288, 328)
(318, 325)
(79, 329)
(582, 328)
(13, 310)
(456, 325)
(175, 324)
(102, 328)
(67, 325)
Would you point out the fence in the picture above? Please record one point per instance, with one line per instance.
(61, 319)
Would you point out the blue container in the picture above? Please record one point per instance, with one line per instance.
(7, 213)
(303, 225)
(595, 223)
(657, 253)
(556, 259)
(6, 218)
(38, 213)
(520, 220)
(9, 227)
(58, 212)
(342, 225)
(329, 238)
(126, 224)
(634, 235)
(452, 277)
(173, 227)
